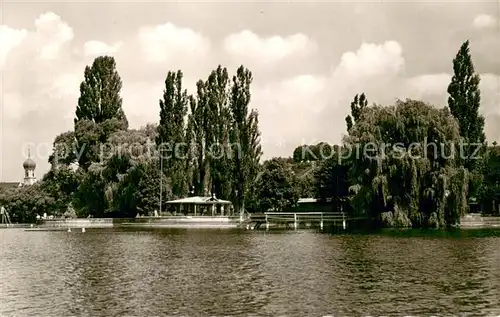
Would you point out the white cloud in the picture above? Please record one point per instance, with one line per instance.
(249, 46)
(96, 48)
(377, 70)
(490, 105)
(424, 86)
(484, 21)
(11, 109)
(434, 87)
(289, 96)
(53, 33)
(9, 39)
(312, 108)
(36, 90)
(372, 60)
(66, 84)
(140, 102)
(490, 94)
(141, 99)
(303, 85)
(40, 100)
(287, 110)
(373, 68)
(162, 42)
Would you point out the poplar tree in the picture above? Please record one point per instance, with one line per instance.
(218, 131)
(171, 132)
(196, 136)
(100, 98)
(245, 136)
(357, 105)
(464, 101)
(99, 111)
(465, 96)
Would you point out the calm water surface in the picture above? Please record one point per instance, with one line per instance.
(223, 273)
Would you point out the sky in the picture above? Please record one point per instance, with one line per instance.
(308, 60)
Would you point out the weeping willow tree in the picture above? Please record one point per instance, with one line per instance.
(405, 166)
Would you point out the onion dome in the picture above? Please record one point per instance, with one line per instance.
(29, 164)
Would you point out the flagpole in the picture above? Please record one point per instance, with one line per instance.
(161, 175)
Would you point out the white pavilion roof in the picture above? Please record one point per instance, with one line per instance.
(198, 200)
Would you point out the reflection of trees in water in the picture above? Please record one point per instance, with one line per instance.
(219, 272)
(96, 284)
(216, 273)
(193, 273)
(361, 274)
(471, 281)
(237, 286)
(491, 260)
(360, 262)
(297, 273)
(420, 271)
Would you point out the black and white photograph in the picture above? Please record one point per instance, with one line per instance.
(249, 158)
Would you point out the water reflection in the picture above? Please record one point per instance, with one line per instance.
(207, 272)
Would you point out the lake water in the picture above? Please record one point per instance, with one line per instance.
(229, 273)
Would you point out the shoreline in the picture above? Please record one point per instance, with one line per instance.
(216, 222)
(470, 221)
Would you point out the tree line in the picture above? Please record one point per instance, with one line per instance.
(424, 189)
(92, 175)
(112, 179)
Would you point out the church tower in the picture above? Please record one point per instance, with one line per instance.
(29, 171)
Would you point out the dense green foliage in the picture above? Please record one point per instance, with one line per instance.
(209, 143)
(332, 179)
(277, 188)
(316, 152)
(99, 111)
(465, 97)
(489, 191)
(209, 125)
(464, 101)
(171, 132)
(25, 203)
(403, 184)
(244, 135)
(396, 165)
(357, 105)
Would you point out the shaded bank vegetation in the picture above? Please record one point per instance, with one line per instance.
(102, 168)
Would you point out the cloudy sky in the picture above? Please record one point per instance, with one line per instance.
(308, 60)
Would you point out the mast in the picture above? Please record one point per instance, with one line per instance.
(161, 175)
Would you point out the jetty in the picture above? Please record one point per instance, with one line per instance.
(296, 220)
